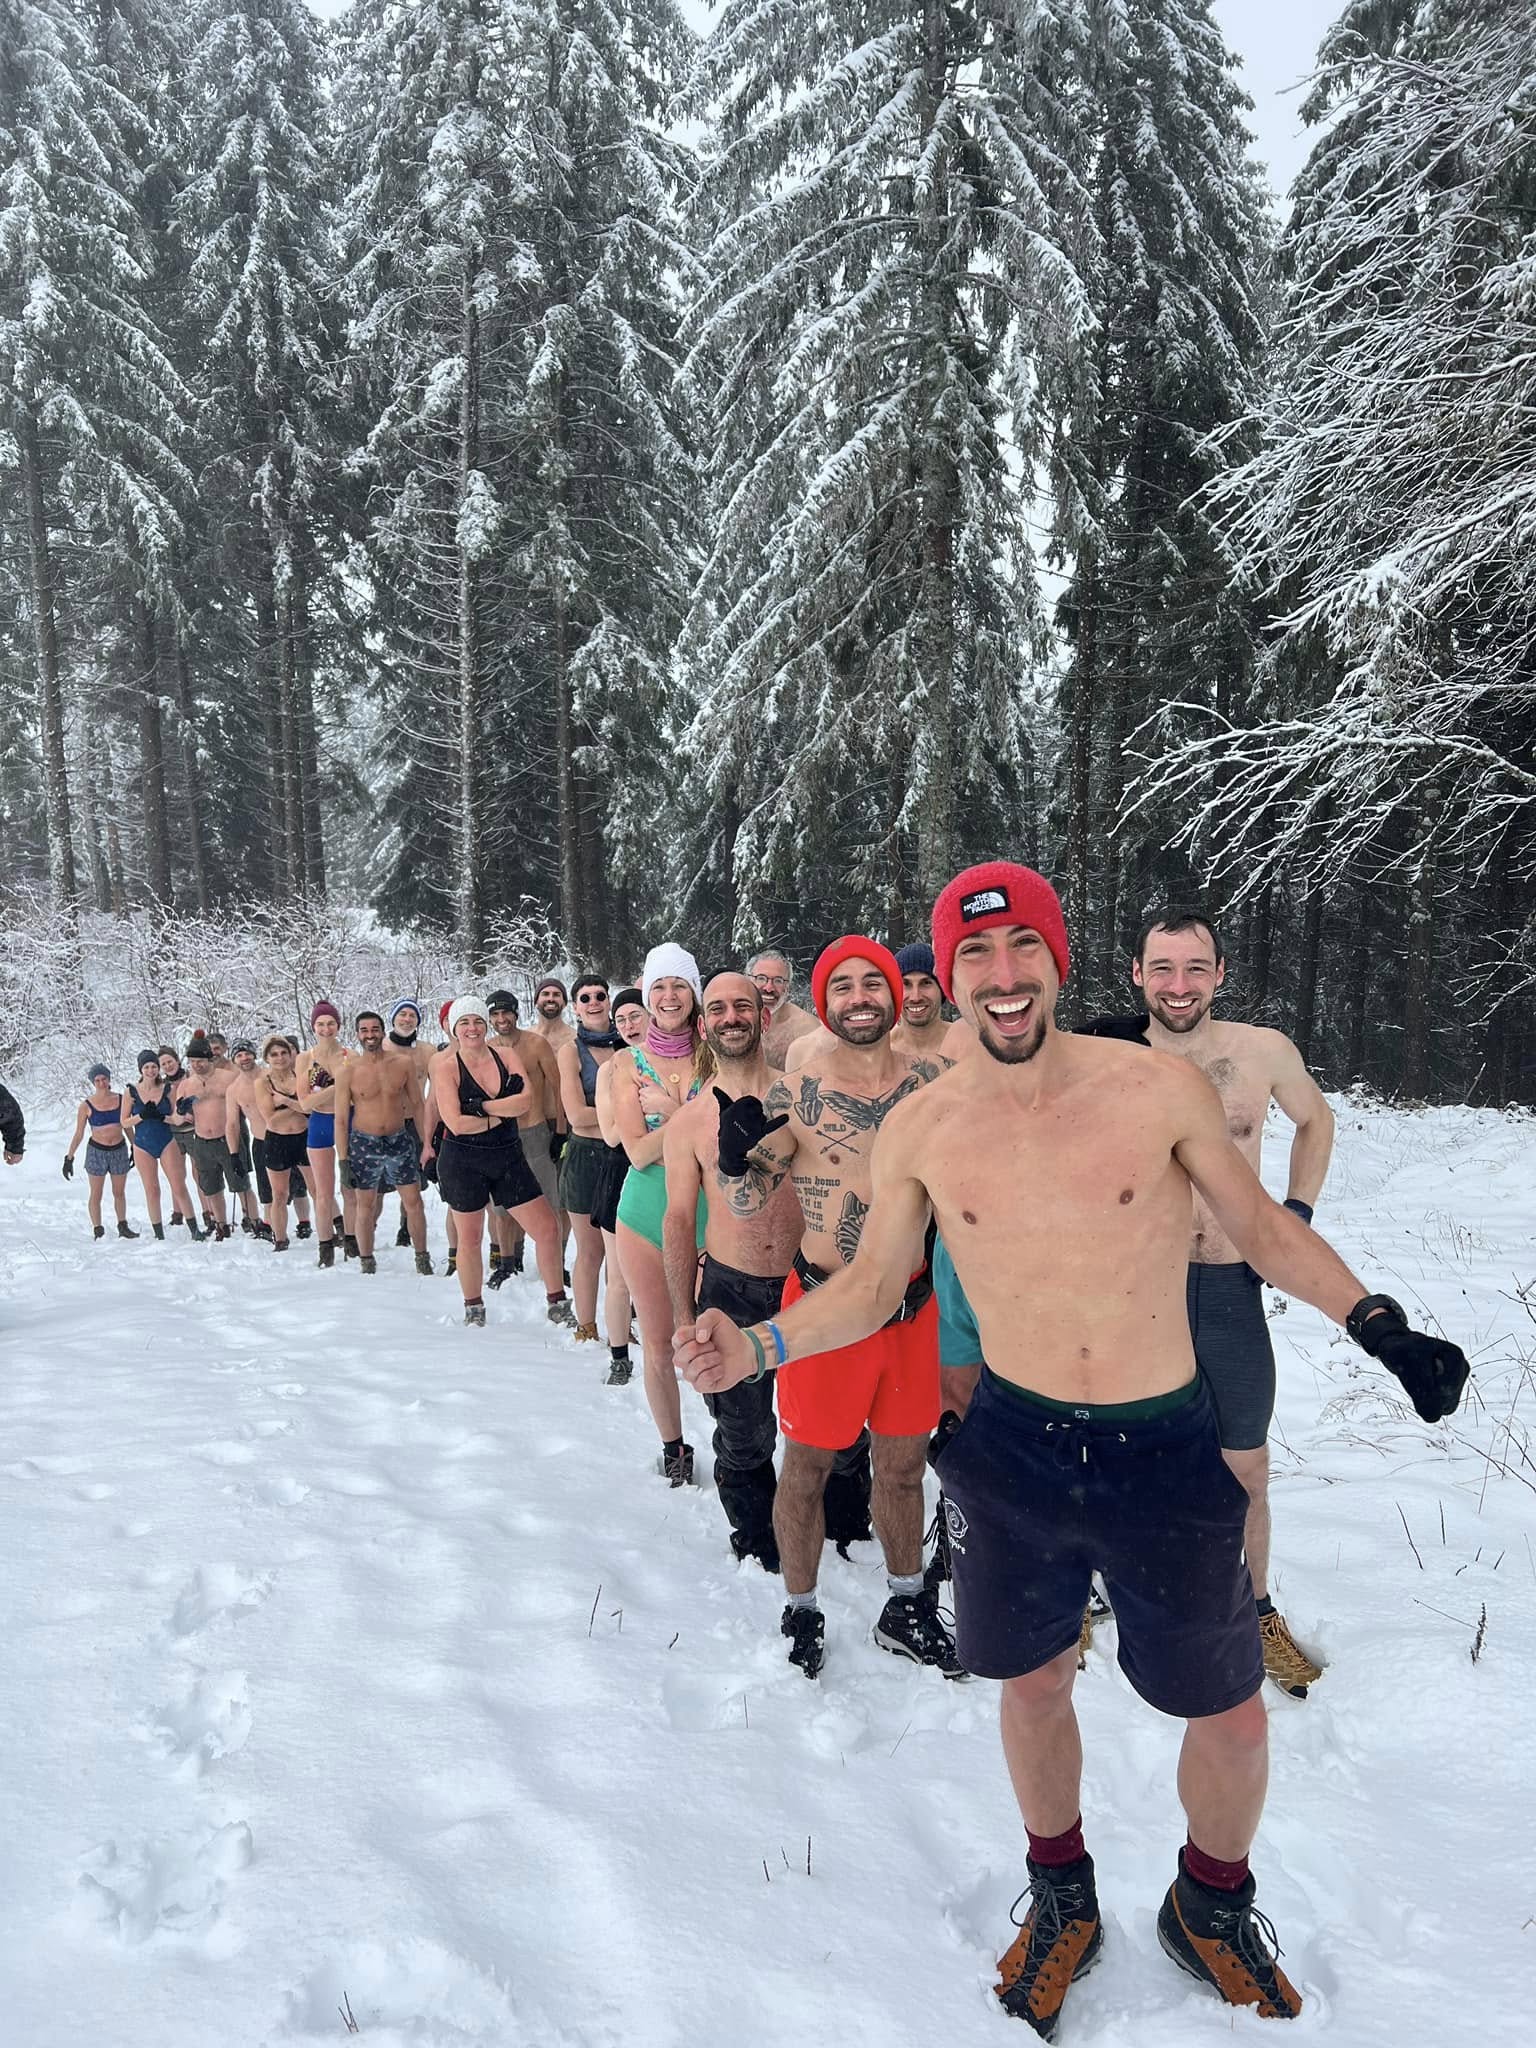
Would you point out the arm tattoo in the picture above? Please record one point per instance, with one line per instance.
(850, 1227)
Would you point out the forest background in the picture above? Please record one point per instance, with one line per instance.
(490, 477)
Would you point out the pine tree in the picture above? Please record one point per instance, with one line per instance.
(90, 405)
(254, 211)
(897, 213)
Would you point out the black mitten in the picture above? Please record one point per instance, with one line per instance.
(742, 1125)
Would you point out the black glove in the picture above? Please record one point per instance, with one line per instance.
(69, 1167)
(1433, 1372)
(1134, 1029)
(557, 1145)
(344, 1173)
(742, 1125)
(514, 1085)
(429, 1171)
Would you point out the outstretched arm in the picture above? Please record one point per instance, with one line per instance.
(713, 1354)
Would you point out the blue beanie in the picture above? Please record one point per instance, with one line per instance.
(916, 958)
(405, 1003)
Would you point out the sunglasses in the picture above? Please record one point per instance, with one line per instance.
(592, 999)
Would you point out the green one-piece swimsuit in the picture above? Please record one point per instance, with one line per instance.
(643, 1201)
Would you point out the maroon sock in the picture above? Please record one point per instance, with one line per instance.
(474, 1301)
(1055, 1851)
(1221, 1877)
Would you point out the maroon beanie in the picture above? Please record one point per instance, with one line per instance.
(852, 947)
(324, 1009)
(998, 892)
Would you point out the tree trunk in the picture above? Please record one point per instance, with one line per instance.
(197, 839)
(50, 687)
(471, 889)
(152, 795)
(90, 824)
(287, 877)
(301, 638)
(1358, 991)
(117, 887)
(934, 743)
(1418, 952)
(1261, 944)
(1306, 981)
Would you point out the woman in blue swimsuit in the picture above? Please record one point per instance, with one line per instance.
(155, 1150)
(316, 1081)
(108, 1154)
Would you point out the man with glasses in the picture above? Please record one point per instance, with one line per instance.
(783, 1021)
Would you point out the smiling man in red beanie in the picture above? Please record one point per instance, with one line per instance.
(818, 1126)
(1059, 1170)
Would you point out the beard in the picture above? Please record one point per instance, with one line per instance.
(1013, 1052)
(862, 1034)
(741, 1045)
(1182, 1022)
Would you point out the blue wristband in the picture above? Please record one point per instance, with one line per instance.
(778, 1343)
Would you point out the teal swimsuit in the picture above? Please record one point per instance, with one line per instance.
(643, 1203)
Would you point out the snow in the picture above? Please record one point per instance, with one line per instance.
(357, 1659)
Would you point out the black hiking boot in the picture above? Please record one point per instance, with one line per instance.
(177, 1218)
(349, 1246)
(676, 1465)
(423, 1261)
(403, 1234)
(1059, 1941)
(327, 1252)
(500, 1272)
(197, 1236)
(159, 1230)
(763, 1545)
(279, 1244)
(1224, 1941)
(909, 1626)
(938, 1571)
(303, 1229)
(807, 1631)
(98, 1231)
(367, 1263)
(452, 1266)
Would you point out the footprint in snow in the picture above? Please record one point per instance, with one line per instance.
(211, 1719)
(418, 1990)
(170, 1887)
(215, 1591)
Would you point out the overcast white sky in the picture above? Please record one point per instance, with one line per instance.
(1277, 43)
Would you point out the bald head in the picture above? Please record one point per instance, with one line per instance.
(733, 1017)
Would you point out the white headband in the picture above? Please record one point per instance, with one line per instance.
(669, 958)
(467, 1006)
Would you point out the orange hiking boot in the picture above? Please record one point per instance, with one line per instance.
(1058, 1941)
(1285, 1661)
(1220, 1938)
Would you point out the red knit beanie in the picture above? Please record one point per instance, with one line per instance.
(852, 947)
(997, 892)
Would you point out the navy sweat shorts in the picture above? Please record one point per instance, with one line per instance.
(1039, 1496)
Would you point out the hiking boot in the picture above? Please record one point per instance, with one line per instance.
(303, 1229)
(909, 1626)
(349, 1247)
(98, 1231)
(177, 1218)
(557, 1309)
(1223, 1940)
(367, 1263)
(403, 1234)
(1285, 1661)
(1085, 1637)
(197, 1236)
(223, 1232)
(279, 1244)
(474, 1314)
(586, 1333)
(498, 1273)
(807, 1631)
(620, 1372)
(247, 1226)
(159, 1230)
(764, 1547)
(125, 1229)
(676, 1467)
(1059, 1941)
(263, 1233)
(938, 1571)
(423, 1261)
(327, 1252)
(452, 1266)
(338, 1229)
(515, 1257)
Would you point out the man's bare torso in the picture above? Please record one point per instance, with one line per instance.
(788, 1023)
(380, 1092)
(208, 1105)
(835, 1119)
(740, 1230)
(242, 1092)
(528, 1053)
(1239, 1062)
(1068, 1222)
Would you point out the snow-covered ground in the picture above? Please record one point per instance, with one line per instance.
(354, 1658)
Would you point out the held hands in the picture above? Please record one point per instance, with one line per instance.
(655, 1101)
(742, 1126)
(557, 1145)
(712, 1354)
(69, 1165)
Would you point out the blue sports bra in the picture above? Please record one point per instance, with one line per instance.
(99, 1117)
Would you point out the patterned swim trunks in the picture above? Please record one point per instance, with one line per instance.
(379, 1164)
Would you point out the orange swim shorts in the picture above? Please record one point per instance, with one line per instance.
(889, 1381)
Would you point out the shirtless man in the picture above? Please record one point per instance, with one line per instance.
(479, 1100)
(783, 1020)
(286, 1124)
(240, 1101)
(819, 1129)
(1059, 1169)
(543, 1133)
(405, 1036)
(922, 1030)
(748, 1247)
(378, 1118)
(549, 1000)
(215, 1161)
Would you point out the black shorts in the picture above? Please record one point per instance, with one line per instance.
(581, 1173)
(745, 1297)
(608, 1186)
(285, 1151)
(1039, 1496)
(259, 1165)
(476, 1176)
(1233, 1351)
